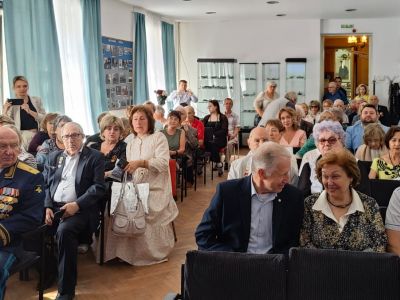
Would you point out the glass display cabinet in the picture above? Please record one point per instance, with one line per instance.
(248, 92)
(271, 72)
(296, 77)
(215, 81)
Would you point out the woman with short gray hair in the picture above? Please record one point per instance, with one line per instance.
(329, 136)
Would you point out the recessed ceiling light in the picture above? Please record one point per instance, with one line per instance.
(351, 9)
(210, 12)
(186, 0)
(281, 15)
(272, 2)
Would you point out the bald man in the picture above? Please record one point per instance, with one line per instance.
(242, 166)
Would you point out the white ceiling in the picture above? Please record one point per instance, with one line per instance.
(195, 10)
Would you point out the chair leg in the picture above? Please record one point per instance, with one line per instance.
(173, 229)
(205, 171)
(42, 266)
(102, 238)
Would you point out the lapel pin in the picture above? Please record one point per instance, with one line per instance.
(279, 200)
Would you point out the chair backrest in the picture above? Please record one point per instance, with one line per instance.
(334, 274)
(226, 275)
(382, 190)
(364, 186)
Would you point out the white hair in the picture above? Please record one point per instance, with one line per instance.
(266, 157)
(76, 125)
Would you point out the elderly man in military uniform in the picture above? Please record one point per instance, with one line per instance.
(21, 201)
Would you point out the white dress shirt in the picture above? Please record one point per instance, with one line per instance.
(66, 188)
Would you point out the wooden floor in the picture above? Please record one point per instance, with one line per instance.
(120, 281)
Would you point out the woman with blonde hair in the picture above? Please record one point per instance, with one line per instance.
(374, 143)
(362, 92)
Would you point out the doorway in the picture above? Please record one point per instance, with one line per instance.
(349, 61)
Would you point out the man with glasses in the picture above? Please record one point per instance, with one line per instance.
(75, 183)
(21, 201)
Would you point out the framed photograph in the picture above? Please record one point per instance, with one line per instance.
(343, 64)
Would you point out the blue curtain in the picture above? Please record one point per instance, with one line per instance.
(168, 46)
(93, 65)
(32, 49)
(141, 90)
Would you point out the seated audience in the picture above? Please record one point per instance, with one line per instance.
(352, 109)
(361, 104)
(233, 130)
(53, 144)
(265, 97)
(46, 132)
(383, 113)
(292, 136)
(392, 223)
(127, 127)
(161, 121)
(196, 124)
(23, 156)
(314, 111)
(112, 145)
(340, 217)
(148, 157)
(354, 134)
(387, 166)
(306, 126)
(326, 104)
(95, 138)
(334, 93)
(329, 136)
(21, 204)
(240, 219)
(74, 180)
(362, 93)
(339, 104)
(175, 136)
(305, 108)
(310, 143)
(242, 167)
(191, 145)
(216, 133)
(374, 143)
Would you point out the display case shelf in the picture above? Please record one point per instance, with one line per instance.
(271, 72)
(248, 92)
(296, 77)
(215, 81)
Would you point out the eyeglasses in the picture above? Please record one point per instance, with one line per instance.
(331, 140)
(72, 136)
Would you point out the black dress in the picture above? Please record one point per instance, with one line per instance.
(215, 135)
(118, 152)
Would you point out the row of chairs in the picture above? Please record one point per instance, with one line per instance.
(379, 189)
(306, 274)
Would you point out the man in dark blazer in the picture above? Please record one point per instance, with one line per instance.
(74, 184)
(383, 112)
(259, 213)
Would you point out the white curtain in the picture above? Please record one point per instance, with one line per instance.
(155, 61)
(68, 17)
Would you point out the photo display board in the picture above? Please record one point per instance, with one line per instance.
(118, 70)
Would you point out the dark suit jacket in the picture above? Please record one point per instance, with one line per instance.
(89, 181)
(226, 223)
(384, 116)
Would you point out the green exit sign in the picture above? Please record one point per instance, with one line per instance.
(346, 26)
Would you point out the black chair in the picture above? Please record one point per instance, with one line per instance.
(31, 256)
(381, 190)
(364, 186)
(200, 159)
(234, 276)
(334, 274)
